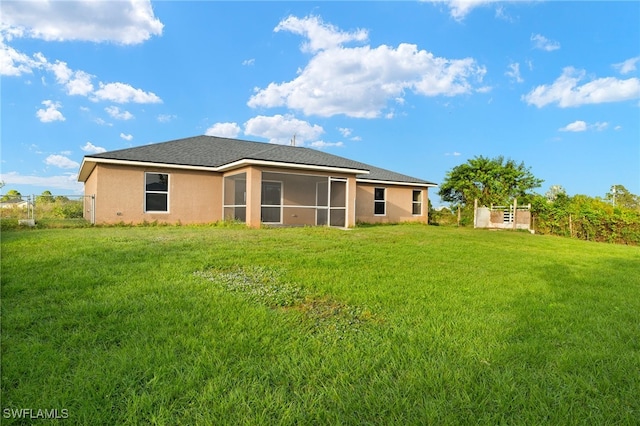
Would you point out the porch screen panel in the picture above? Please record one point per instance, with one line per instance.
(271, 202)
(235, 197)
(322, 203)
(290, 198)
(338, 193)
(338, 218)
(338, 203)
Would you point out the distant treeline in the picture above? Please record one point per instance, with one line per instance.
(580, 216)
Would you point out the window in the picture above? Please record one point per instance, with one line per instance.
(156, 192)
(379, 203)
(417, 202)
(271, 211)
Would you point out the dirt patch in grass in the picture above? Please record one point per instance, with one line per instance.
(266, 286)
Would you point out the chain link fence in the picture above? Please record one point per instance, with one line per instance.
(47, 210)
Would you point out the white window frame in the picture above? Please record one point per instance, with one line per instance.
(414, 202)
(383, 201)
(157, 192)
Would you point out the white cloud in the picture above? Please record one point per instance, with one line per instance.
(514, 72)
(51, 113)
(76, 82)
(68, 181)
(122, 93)
(126, 137)
(124, 22)
(115, 112)
(452, 154)
(576, 126)
(360, 81)
(101, 122)
(323, 144)
(249, 62)
(14, 63)
(566, 92)
(627, 66)
(80, 84)
(543, 43)
(225, 130)
(93, 149)
(345, 131)
(165, 118)
(320, 36)
(459, 9)
(281, 129)
(582, 126)
(600, 126)
(61, 161)
(61, 71)
(501, 13)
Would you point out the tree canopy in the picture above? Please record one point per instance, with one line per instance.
(11, 195)
(490, 180)
(45, 197)
(621, 197)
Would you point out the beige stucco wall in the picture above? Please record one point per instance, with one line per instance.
(90, 188)
(399, 204)
(194, 196)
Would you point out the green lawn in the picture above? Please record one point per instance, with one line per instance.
(402, 324)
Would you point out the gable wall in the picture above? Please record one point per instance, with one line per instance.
(194, 196)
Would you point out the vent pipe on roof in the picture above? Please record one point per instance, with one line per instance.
(293, 141)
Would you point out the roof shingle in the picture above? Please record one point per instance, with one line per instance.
(212, 151)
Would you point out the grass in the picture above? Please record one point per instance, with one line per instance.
(402, 324)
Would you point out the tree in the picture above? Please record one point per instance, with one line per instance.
(11, 195)
(45, 197)
(490, 180)
(620, 196)
(554, 192)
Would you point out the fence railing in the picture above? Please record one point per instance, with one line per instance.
(48, 209)
(502, 217)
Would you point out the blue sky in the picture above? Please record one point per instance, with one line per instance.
(415, 87)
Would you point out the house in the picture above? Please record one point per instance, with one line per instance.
(15, 203)
(205, 179)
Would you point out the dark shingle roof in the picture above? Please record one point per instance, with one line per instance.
(212, 151)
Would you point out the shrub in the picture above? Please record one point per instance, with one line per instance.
(586, 218)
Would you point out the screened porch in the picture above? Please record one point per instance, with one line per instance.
(290, 199)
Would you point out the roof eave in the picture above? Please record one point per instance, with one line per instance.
(92, 161)
(280, 164)
(86, 168)
(395, 182)
(89, 163)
